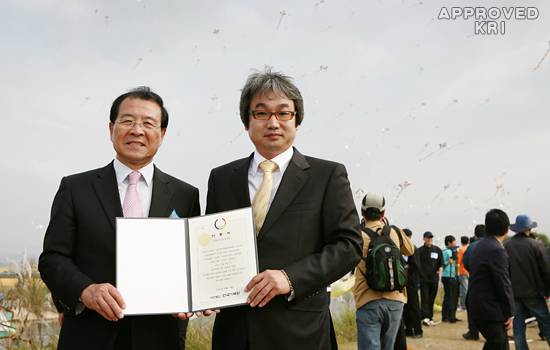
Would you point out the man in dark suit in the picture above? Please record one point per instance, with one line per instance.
(479, 233)
(490, 299)
(308, 232)
(78, 261)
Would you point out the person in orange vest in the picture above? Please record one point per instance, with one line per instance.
(464, 276)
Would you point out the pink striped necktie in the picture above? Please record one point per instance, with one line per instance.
(132, 204)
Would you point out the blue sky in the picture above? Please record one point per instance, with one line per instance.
(379, 78)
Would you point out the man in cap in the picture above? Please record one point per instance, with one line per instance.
(530, 274)
(385, 308)
(431, 265)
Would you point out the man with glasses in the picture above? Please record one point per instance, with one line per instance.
(307, 227)
(78, 261)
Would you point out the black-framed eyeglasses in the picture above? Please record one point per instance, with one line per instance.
(280, 115)
(129, 124)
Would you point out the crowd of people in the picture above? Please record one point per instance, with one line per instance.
(308, 235)
(498, 283)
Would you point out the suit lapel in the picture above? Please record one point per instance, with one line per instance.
(293, 181)
(162, 193)
(106, 189)
(239, 182)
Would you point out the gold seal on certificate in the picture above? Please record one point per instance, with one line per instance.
(182, 265)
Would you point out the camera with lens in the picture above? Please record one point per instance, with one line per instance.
(454, 250)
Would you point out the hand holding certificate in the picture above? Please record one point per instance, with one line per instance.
(185, 265)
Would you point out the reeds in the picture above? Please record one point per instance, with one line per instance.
(28, 303)
(199, 333)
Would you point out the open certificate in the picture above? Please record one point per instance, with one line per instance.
(167, 266)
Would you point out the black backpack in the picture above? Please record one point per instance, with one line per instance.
(386, 269)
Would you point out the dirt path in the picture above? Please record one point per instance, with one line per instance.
(447, 336)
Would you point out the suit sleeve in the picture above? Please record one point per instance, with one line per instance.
(501, 275)
(56, 265)
(210, 196)
(196, 208)
(343, 243)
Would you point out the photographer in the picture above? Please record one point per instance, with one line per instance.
(449, 280)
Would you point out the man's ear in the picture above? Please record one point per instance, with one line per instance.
(111, 126)
(162, 133)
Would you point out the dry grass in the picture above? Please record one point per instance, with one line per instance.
(199, 333)
(28, 303)
(447, 336)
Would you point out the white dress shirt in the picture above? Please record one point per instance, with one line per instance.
(145, 184)
(256, 174)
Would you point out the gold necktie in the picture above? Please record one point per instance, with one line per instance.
(261, 200)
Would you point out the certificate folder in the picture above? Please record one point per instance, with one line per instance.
(172, 265)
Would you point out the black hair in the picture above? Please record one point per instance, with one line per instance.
(479, 231)
(496, 222)
(449, 239)
(372, 214)
(464, 240)
(143, 93)
(407, 232)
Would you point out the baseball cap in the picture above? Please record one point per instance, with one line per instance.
(428, 234)
(374, 200)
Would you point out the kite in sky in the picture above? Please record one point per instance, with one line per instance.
(441, 146)
(449, 148)
(421, 105)
(400, 187)
(236, 137)
(487, 100)
(500, 188)
(542, 58)
(318, 3)
(440, 193)
(425, 146)
(139, 60)
(283, 14)
(359, 193)
(454, 101)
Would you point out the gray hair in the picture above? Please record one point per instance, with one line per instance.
(266, 81)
